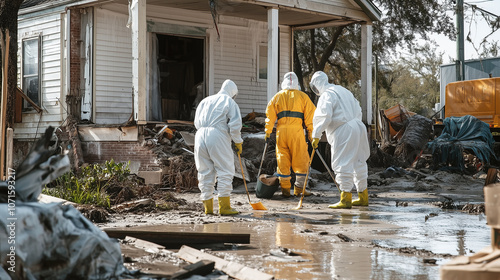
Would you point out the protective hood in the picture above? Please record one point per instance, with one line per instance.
(319, 83)
(290, 81)
(230, 88)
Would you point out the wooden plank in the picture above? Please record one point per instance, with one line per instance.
(10, 149)
(232, 269)
(176, 239)
(203, 267)
(23, 95)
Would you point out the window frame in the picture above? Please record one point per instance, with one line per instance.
(259, 45)
(26, 107)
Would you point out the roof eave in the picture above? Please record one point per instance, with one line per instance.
(370, 9)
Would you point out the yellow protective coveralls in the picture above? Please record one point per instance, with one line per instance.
(292, 109)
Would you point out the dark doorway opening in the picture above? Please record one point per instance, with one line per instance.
(182, 73)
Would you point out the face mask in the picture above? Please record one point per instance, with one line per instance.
(314, 89)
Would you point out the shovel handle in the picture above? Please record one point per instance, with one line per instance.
(329, 171)
(262, 160)
(305, 182)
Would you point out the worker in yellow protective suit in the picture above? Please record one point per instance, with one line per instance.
(293, 110)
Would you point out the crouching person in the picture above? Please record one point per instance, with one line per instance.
(218, 121)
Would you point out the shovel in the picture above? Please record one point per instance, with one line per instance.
(305, 183)
(255, 206)
(329, 171)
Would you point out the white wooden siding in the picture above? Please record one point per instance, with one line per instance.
(235, 58)
(113, 68)
(49, 26)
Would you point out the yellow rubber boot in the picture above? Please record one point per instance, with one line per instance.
(225, 207)
(285, 192)
(344, 203)
(209, 206)
(297, 191)
(285, 186)
(362, 199)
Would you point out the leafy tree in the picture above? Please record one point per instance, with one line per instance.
(413, 81)
(335, 50)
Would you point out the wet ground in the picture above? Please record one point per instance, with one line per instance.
(401, 235)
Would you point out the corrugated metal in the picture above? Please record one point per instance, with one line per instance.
(113, 68)
(236, 59)
(49, 27)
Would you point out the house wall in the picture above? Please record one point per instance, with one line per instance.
(49, 27)
(113, 68)
(236, 58)
(233, 57)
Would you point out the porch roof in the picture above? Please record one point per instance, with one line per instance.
(299, 13)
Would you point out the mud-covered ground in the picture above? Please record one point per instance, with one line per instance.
(416, 221)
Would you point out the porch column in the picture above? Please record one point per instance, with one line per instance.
(138, 10)
(272, 52)
(366, 73)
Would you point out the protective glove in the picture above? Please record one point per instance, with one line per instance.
(268, 135)
(315, 143)
(239, 147)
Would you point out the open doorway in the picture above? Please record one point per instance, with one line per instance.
(181, 75)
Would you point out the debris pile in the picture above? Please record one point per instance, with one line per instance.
(462, 136)
(49, 240)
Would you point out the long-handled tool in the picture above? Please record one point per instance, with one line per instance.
(262, 160)
(255, 206)
(305, 183)
(329, 171)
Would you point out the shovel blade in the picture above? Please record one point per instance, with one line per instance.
(300, 204)
(258, 206)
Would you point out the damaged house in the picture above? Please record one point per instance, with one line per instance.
(107, 68)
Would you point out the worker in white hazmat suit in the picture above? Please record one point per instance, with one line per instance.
(338, 114)
(218, 121)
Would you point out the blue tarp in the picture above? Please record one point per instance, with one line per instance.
(459, 134)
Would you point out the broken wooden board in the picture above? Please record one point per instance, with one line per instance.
(203, 267)
(232, 269)
(176, 239)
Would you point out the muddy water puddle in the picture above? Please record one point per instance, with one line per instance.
(364, 243)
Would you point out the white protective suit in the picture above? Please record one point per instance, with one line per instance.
(217, 120)
(338, 114)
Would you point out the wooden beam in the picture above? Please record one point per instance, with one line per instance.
(203, 267)
(5, 81)
(20, 93)
(232, 269)
(176, 239)
(10, 149)
(272, 52)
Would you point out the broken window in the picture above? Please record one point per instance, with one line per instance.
(31, 70)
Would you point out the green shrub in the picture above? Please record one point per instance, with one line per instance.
(89, 186)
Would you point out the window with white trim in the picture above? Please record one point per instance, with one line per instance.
(31, 70)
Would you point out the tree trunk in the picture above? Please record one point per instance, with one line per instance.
(8, 21)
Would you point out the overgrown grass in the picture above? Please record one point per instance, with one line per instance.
(89, 186)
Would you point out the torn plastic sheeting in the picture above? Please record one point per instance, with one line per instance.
(49, 241)
(56, 241)
(459, 134)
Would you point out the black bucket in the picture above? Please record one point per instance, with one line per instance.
(266, 186)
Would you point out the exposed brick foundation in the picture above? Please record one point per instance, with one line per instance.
(141, 157)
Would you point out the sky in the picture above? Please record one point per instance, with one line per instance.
(477, 28)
